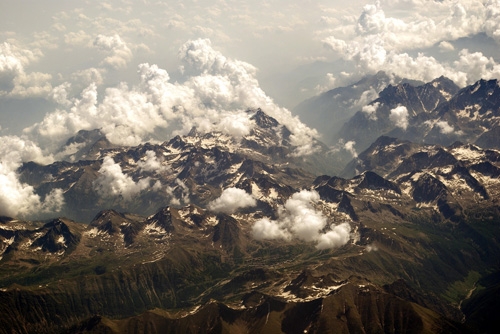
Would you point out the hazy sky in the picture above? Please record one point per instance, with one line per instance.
(298, 48)
(145, 70)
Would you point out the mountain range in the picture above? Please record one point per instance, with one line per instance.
(438, 112)
(206, 233)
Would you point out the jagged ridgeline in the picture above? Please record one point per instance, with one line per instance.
(187, 169)
(205, 233)
(437, 112)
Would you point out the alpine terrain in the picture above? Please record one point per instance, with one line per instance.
(208, 233)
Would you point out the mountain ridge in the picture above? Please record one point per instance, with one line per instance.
(229, 235)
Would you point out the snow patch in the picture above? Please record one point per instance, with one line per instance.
(212, 221)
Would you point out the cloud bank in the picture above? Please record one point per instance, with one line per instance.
(214, 97)
(298, 219)
(376, 41)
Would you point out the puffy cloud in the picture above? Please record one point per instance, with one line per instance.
(111, 182)
(338, 236)
(243, 87)
(372, 19)
(59, 94)
(17, 198)
(298, 218)
(380, 42)
(266, 229)
(477, 66)
(231, 200)
(59, 125)
(399, 116)
(14, 81)
(119, 53)
(183, 193)
(213, 97)
(371, 110)
(86, 77)
(151, 163)
(349, 147)
(15, 150)
(31, 85)
(235, 124)
(492, 22)
(443, 126)
(13, 59)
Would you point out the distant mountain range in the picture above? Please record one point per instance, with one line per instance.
(437, 112)
(209, 234)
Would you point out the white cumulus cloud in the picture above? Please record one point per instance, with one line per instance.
(231, 200)
(443, 126)
(371, 110)
(17, 198)
(151, 163)
(399, 116)
(117, 51)
(298, 218)
(15, 81)
(214, 97)
(112, 182)
(350, 147)
(382, 42)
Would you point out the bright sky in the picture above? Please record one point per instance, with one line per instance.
(298, 48)
(145, 70)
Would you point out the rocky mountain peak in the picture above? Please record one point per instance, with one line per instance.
(56, 236)
(108, 221)
(483, 97)
(263, 120)
(371, 180)
(85, 145)
(446, 86)
(162, 219)
(428, 189)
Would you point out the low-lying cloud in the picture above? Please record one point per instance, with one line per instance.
(179, 194)
(299, 219)
(18, 199)
(371, 110)
(399, 116)
(118, 54)
(15, 80)
(113, 183)
(443, 126)
(151, 163)
(350, 147)
(231, 200)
